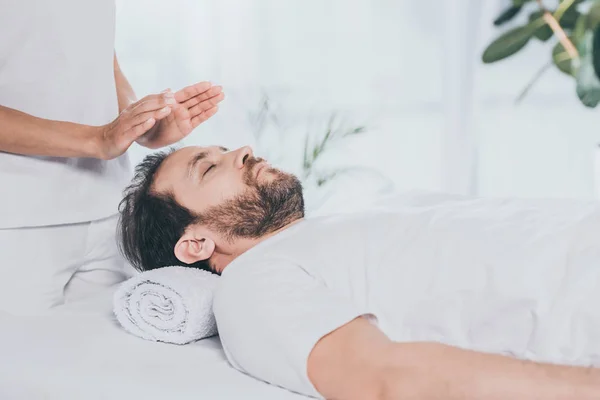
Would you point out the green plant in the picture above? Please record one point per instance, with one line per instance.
(576, 52)
(336, 129)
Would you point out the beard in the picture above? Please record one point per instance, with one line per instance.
(262, 209)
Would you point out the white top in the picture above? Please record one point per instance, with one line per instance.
(503, 276)
(56, 62)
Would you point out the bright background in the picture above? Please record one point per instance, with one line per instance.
(408, 70)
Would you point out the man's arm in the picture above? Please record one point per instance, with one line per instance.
(357, 361)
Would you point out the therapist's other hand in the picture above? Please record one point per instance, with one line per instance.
(114, 139)
(195, 104)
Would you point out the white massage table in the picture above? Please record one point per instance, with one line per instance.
(78, 351)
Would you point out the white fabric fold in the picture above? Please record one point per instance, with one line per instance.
(170, 304)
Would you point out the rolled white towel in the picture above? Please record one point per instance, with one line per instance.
(170, 304)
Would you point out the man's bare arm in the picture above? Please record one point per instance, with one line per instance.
(358, 361)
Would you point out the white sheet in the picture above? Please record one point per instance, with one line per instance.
(79, 352)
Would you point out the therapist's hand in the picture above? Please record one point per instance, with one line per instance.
(112, 140)
(194, 105)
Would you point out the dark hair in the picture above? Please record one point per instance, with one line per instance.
(150, 223)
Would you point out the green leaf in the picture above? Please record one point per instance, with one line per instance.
(520, 3)
(507, 15)
(562, 59)
(509, 43)
(323, 179)
(544, 32)
(569, 19)
(588, 84)
(355, 131)
(567, 6)
(306, 164)
(315, 153)
(593, 16)
(579, 30)
(596, 51)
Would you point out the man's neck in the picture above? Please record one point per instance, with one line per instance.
(223, 257)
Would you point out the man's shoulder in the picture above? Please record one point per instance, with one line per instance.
(257, 277)
(247, 265)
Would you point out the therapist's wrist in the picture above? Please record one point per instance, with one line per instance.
(102, 141)
(74, 140)
(88, 137)
(91, 141)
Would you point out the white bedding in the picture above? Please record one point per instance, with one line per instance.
(79, 352)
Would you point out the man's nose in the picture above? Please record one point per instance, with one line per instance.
(242, 155)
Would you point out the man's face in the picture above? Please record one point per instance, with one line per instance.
(234, 193)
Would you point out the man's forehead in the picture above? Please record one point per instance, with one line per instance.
(185, 154)
(178, 161)
(175, 164)
(189, 150)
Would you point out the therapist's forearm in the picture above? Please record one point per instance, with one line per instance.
(21, 133)
(433, 371)
(125, 94)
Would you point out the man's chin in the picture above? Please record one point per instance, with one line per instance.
(270, 174)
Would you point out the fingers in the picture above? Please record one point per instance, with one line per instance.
(212, 92)
(153, 102)
(156, 106)
(135, 132)
(200, 118)
(206, 105)
(143, 117)
(188, 92)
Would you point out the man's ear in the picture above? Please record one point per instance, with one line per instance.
(193, 247)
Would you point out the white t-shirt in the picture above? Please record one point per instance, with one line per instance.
(513, 277)
(56, 62)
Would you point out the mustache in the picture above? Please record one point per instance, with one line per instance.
(251, 164)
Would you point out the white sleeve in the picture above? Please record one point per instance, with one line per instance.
(271, 316)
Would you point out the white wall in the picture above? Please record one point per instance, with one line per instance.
(396, 65)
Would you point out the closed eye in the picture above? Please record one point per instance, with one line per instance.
(209, 168)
